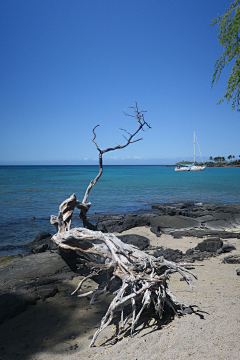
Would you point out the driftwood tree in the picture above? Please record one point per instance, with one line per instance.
(141, 278)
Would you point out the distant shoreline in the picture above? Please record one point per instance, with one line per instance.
(118, 165)
(95, 165)
(235, 163)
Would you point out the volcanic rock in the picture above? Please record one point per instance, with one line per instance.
(137, 240)
(41, 243)
(210, 245)
(169, 254)
(228, 247)
(232, 259)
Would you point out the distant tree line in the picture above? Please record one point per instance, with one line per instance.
(216, 161)
(221, 161)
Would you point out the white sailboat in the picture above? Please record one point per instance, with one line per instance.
(183, 167)
(191, 167)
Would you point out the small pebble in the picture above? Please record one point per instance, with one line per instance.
(187, 310)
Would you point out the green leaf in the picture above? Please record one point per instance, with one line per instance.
(229, 37)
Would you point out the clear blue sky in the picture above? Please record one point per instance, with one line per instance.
(67, 66)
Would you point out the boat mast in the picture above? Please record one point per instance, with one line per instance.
(194, 147)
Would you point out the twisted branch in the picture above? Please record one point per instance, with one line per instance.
(62, 222)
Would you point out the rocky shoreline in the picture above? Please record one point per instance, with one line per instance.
(179, 219)
(34, 275)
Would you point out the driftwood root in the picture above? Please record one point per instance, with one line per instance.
(143, 277)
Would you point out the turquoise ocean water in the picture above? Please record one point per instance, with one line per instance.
(37, 191)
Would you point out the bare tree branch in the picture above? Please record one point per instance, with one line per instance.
(61, 223)
(95, 137)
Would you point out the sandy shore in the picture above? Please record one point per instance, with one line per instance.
(61, 326)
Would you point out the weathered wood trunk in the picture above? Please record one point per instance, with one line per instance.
(143, 277)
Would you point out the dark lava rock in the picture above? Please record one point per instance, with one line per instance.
(228, 235)
(13, 303)
(172, 222)
(178, 219)
(140, 241)
(23, 254)
(200, 233)
(198, 256)
(120, 223)
(40, 248)
(210, 245)
(177, 234)
(174, 209)
(50, 280)
(156, 230)
(22, 271)
(169, 254)
(47, 291)
(28, 294)
(232, 259)
(25, 280)
(190, 252)
(42, 236)
(228, 248)
(212, 217)
(42, 243)
(238, 271)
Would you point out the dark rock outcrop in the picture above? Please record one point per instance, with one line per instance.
(41, 243)
(227, 248)
(179, 219)
(120, 223)
(232, 259)
(23, 281)
(169, 254)
(210, 245)
(137, 240)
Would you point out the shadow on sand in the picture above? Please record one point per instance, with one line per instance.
(60, 324)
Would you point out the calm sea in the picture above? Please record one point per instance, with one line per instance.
(37, 191)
